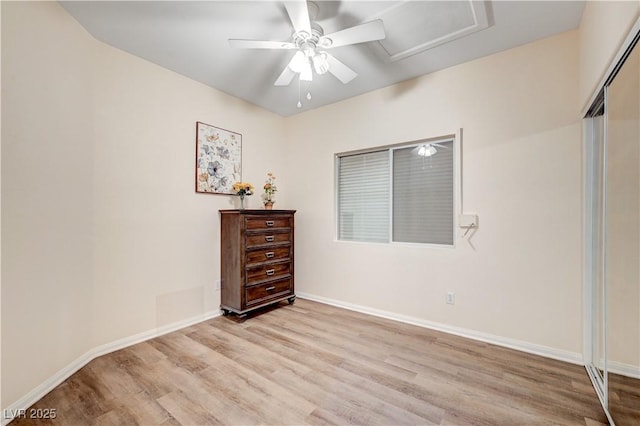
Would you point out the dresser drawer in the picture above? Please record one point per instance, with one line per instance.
(268, 254)
(265, 239)
(268, 272)
(259, 223)
(264, 292)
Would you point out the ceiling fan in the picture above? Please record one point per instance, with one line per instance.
(428, 149)
(310, 44)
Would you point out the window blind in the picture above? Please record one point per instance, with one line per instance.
(423, 195)
(363, 197)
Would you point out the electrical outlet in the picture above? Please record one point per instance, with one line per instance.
(451, 298)
(217, 285)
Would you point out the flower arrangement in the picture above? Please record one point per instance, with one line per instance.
(270, 189)
(243, 189)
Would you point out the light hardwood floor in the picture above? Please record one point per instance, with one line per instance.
(312, 363)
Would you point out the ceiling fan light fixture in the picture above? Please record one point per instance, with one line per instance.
(427, 150)
(306, 74)
(308, 49)
(297, 64)
(320, 63)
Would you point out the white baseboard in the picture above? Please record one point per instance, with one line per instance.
(623, 369)
(48, 385)
(545, 351)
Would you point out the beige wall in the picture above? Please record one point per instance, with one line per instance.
(156, 254)
(47, 178)
(603, 28)
(104, 236)
(521, 174)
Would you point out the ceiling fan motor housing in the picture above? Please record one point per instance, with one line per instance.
(304, 40)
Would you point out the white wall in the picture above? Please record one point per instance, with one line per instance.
(521, 174)
(104, 236)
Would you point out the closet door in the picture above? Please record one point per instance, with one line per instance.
(622, 241)
(595, 148)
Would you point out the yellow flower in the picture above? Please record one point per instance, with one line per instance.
(243, 188)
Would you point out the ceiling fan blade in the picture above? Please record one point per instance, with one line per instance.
(260, 44)
(285, 78)
(299, 15)
(340, 70)
(368, 31)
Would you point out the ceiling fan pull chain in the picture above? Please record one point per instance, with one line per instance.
(299, 105)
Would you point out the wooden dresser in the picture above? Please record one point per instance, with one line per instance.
(256, 259)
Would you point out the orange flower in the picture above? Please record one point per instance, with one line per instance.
(269, 189)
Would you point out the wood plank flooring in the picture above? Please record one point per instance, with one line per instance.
(311, 363)
(624, 400)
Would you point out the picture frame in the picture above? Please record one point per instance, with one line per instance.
(218, 159)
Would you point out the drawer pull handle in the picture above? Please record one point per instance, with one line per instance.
(271, 272)
(270, 288)
(269, 255)
(269, 222)
(269, 239)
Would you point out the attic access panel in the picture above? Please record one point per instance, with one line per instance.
(415, 26)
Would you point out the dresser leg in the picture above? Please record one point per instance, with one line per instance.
(291, 300)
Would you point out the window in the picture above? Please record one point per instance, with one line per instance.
(363, 197)
(402, 193)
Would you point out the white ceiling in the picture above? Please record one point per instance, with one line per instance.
(190, 38)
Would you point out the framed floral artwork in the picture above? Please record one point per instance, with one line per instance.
(218, 159)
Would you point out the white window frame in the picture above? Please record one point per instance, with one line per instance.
(456, 139)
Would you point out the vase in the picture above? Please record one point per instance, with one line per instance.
(268, 205)
(241, 201)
